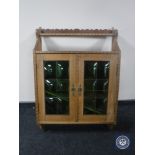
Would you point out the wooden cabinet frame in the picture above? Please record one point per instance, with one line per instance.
(109, 117)
(76, 70)
(40, 91)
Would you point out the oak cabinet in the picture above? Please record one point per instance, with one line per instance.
(76, 87)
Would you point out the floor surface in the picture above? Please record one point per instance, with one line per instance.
(75, 140)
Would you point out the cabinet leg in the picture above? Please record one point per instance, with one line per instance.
(40, 126)
(111, 126)
(43, 127)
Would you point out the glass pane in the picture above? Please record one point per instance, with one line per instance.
(96, 69)
(49, 69)
(96, 81)
(95, 105)
(62, 70)
(96, 85)
(56, 82)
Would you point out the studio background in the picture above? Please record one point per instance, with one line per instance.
(91, 14)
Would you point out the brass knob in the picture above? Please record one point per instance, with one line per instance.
(79, 90)
(73, 89)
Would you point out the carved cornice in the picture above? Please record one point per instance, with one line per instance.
(76, 32)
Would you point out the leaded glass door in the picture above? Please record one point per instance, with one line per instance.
(96, 94)
(56, 87)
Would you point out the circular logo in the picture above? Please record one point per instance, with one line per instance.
(122, 142)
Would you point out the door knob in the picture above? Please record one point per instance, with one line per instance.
(73, 89)
(79, 90)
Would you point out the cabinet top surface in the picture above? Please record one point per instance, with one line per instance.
(77, 52)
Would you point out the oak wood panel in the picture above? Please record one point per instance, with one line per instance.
(40, 87)
(103, 121)
(38, 45)
(41, 97)
(76, 52)
(115, 46)
(117, 85)
(111, 90)
(36, 88)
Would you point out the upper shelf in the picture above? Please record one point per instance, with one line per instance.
(101, 34)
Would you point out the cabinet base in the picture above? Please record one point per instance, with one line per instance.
(75, 123)
(57, 127)
(111, 126)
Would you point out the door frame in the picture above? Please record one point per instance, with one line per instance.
(109, 117)
(54, 118)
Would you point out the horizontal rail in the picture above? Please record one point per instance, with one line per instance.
(76, 32)
(77, 52)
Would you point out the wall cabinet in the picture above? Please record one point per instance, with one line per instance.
(76, 87)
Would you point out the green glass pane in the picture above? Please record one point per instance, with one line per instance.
(62, 70)
(56, 84)
(49, 69)
(96, 106)
(56, 105)
(96, 81)
(101, 105)
(103, 69)
(96, 69)
(96, 94)
(94, 85)
(90, 69)
(90, 105)
(50, 85)
(62, 85)
(90, 85)
(102, 85)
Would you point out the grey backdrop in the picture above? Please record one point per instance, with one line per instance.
(77, 14)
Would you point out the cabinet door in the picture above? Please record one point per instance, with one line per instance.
(97, 88)
(56, 98)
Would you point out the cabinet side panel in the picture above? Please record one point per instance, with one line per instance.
(117, 84)
(40, 87)
(112, 90)
(35, 84)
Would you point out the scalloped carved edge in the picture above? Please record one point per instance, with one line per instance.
(81, 32)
